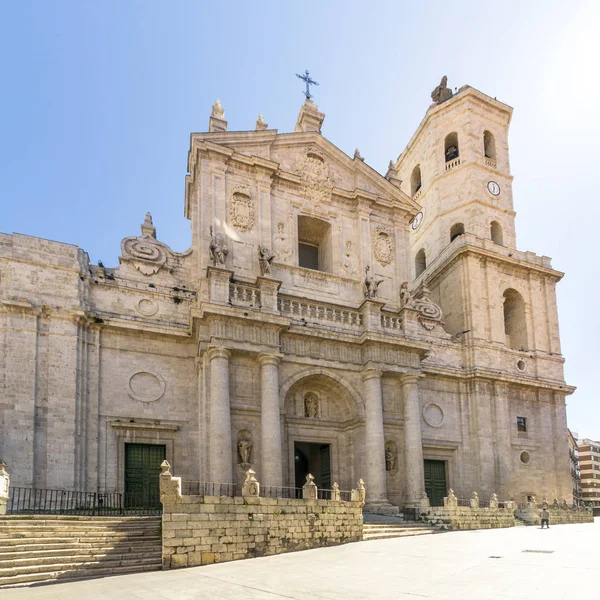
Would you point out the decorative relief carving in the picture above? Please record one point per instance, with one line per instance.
(383, 248)
(433, 415)
(311, 405)
(318, 348)
(241, 208)
(314, 172)
(430, 313)
(244, 447)
(281, 245)
(391, 456)
(146, 254)
(350, 262)
(243, 332)
(146, 386)
(147, 307)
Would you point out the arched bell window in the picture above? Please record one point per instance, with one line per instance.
(451, 147)
(420, 262)
(415, 180)
(515, 322)
(456, 230)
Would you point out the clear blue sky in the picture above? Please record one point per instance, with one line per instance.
(99, 98)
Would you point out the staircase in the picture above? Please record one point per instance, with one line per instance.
(47, 548)
(376, 527)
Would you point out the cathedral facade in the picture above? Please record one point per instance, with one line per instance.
(326, 319)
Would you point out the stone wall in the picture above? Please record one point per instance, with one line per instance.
(201, 530)
(457, 518)
(560, 514)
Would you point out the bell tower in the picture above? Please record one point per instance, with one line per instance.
(457, 167)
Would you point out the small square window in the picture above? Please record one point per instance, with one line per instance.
(521, 424)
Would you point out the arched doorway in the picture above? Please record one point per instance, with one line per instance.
(323, 430)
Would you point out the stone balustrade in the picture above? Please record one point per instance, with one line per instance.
(391, 322)
(201, 530)
(560, 513)
(244, 295)
(452, 164)
(490, 162)
(320, 313)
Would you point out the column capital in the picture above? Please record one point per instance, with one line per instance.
(269, 359)
(410, 378)
(217, 352)
(371, 373)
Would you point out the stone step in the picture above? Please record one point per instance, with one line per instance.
(395, 524)
(41, 552)
(77, 524)
(59, 565)
(394, 529)
(92, 540)
(51, 576)
(94, 556)
(71, 544)
(66, 532)
(397, 534)
(80, 518)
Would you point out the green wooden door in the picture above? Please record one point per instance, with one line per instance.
(142, 471)
(435, 481)
(325, 464)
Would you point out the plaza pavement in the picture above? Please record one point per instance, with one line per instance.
(465, 565)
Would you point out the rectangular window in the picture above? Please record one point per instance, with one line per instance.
(308, 256)
(521, 424)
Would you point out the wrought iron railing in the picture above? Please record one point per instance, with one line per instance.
(274, 491)
(203, 488)
(65, 502)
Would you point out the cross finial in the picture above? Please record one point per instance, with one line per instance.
(306, 78)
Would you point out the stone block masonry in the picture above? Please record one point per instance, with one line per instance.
(201, 530)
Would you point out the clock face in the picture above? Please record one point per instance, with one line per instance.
(493, 188)
(417, 221)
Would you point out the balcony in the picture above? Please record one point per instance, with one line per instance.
(321, 314)
(490, 162)
(452, 164)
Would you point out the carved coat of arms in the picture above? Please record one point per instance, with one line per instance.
(241, 209)
(314, 172)
(383, 247)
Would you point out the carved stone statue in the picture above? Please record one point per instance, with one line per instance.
(265, 256)
(350, 263)
(390, 456)
(406, 297)
(371, 284)
(245, 451)
(442, 92)
(311, 405)
(218, 249)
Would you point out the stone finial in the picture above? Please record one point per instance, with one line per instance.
(424, 502)
(474, 500)
(309, 489)
(260, 124)
(494, 501)
(362, 491)
(165, 468)
(217, 122)
(251, 487)
(357, 155)
(148, 229)
(309, 118)
(170, 487)
(555, 503)
(392, 175)
(335, 492)
(450, 500)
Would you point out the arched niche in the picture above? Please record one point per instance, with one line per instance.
(515, 320)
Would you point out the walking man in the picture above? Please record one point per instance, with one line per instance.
(545, 516)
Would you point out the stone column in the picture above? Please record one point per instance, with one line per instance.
(375, 475)
(220, 455)
(270, 420)
(413, 448)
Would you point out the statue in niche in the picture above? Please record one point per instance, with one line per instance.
(371, 284)
(265, 256)
(391, 456)
(280, 244)
(442, 92)
(244, 447)
(311, 405)
(350, 264)
(218, 249)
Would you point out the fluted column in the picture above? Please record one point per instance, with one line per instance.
(220, 453)
(270, 421)
(375, 476)
(413, 447)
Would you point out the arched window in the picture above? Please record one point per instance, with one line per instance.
(420, 262)
(415, 180)
(451, 146)
(456, 230)
(496, 233)
(489, 145)
(515, 325)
